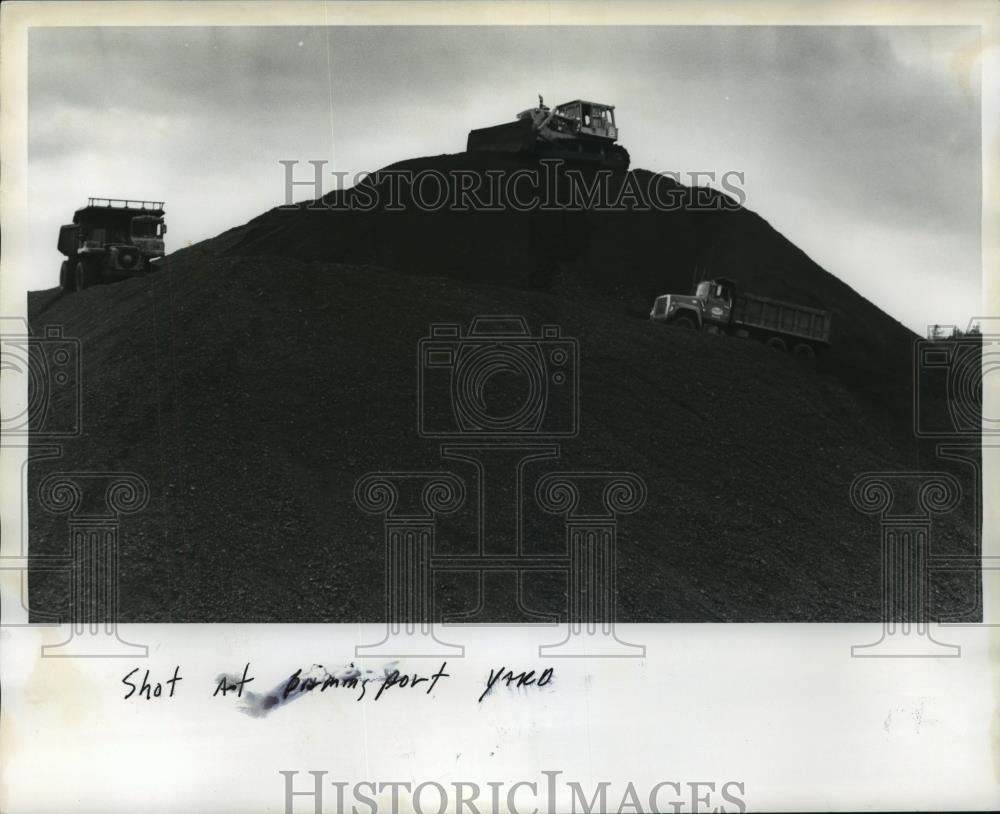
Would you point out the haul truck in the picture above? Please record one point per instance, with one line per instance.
(110, 238)
(719, 307)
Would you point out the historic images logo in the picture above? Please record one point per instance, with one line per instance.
(48, 366)
(948, 375)
(555, 794)
(499, 400)
(550, 187)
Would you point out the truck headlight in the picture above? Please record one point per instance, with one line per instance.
(127, 259)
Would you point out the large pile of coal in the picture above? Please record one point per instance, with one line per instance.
(256, 378)
(642, 235)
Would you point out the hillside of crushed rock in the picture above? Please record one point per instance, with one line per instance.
(254, 379)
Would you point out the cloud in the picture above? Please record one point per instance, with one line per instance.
(876, 128)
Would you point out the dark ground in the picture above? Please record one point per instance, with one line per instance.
(255, 378)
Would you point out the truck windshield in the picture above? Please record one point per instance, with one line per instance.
(147, 227)
(701, 292)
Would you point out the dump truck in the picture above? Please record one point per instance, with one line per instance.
(110, 239)
(718, 306)
(574, 131)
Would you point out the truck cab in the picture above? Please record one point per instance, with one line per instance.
(710, 307)
(716, 298)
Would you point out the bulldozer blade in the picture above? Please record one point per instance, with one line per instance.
(512, 137)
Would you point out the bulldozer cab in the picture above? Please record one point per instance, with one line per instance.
(592, 118)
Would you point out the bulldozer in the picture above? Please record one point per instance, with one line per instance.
(574, 131)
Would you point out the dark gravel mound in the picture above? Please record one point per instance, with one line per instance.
(624, 258)
(261, 373)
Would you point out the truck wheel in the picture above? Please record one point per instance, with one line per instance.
(64, 280)
(777, 343)
(83, 276)
(684, 322)
(804, 350)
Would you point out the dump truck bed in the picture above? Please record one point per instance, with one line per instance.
(777, 316)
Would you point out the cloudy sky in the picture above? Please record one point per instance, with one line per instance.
(861, 145)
